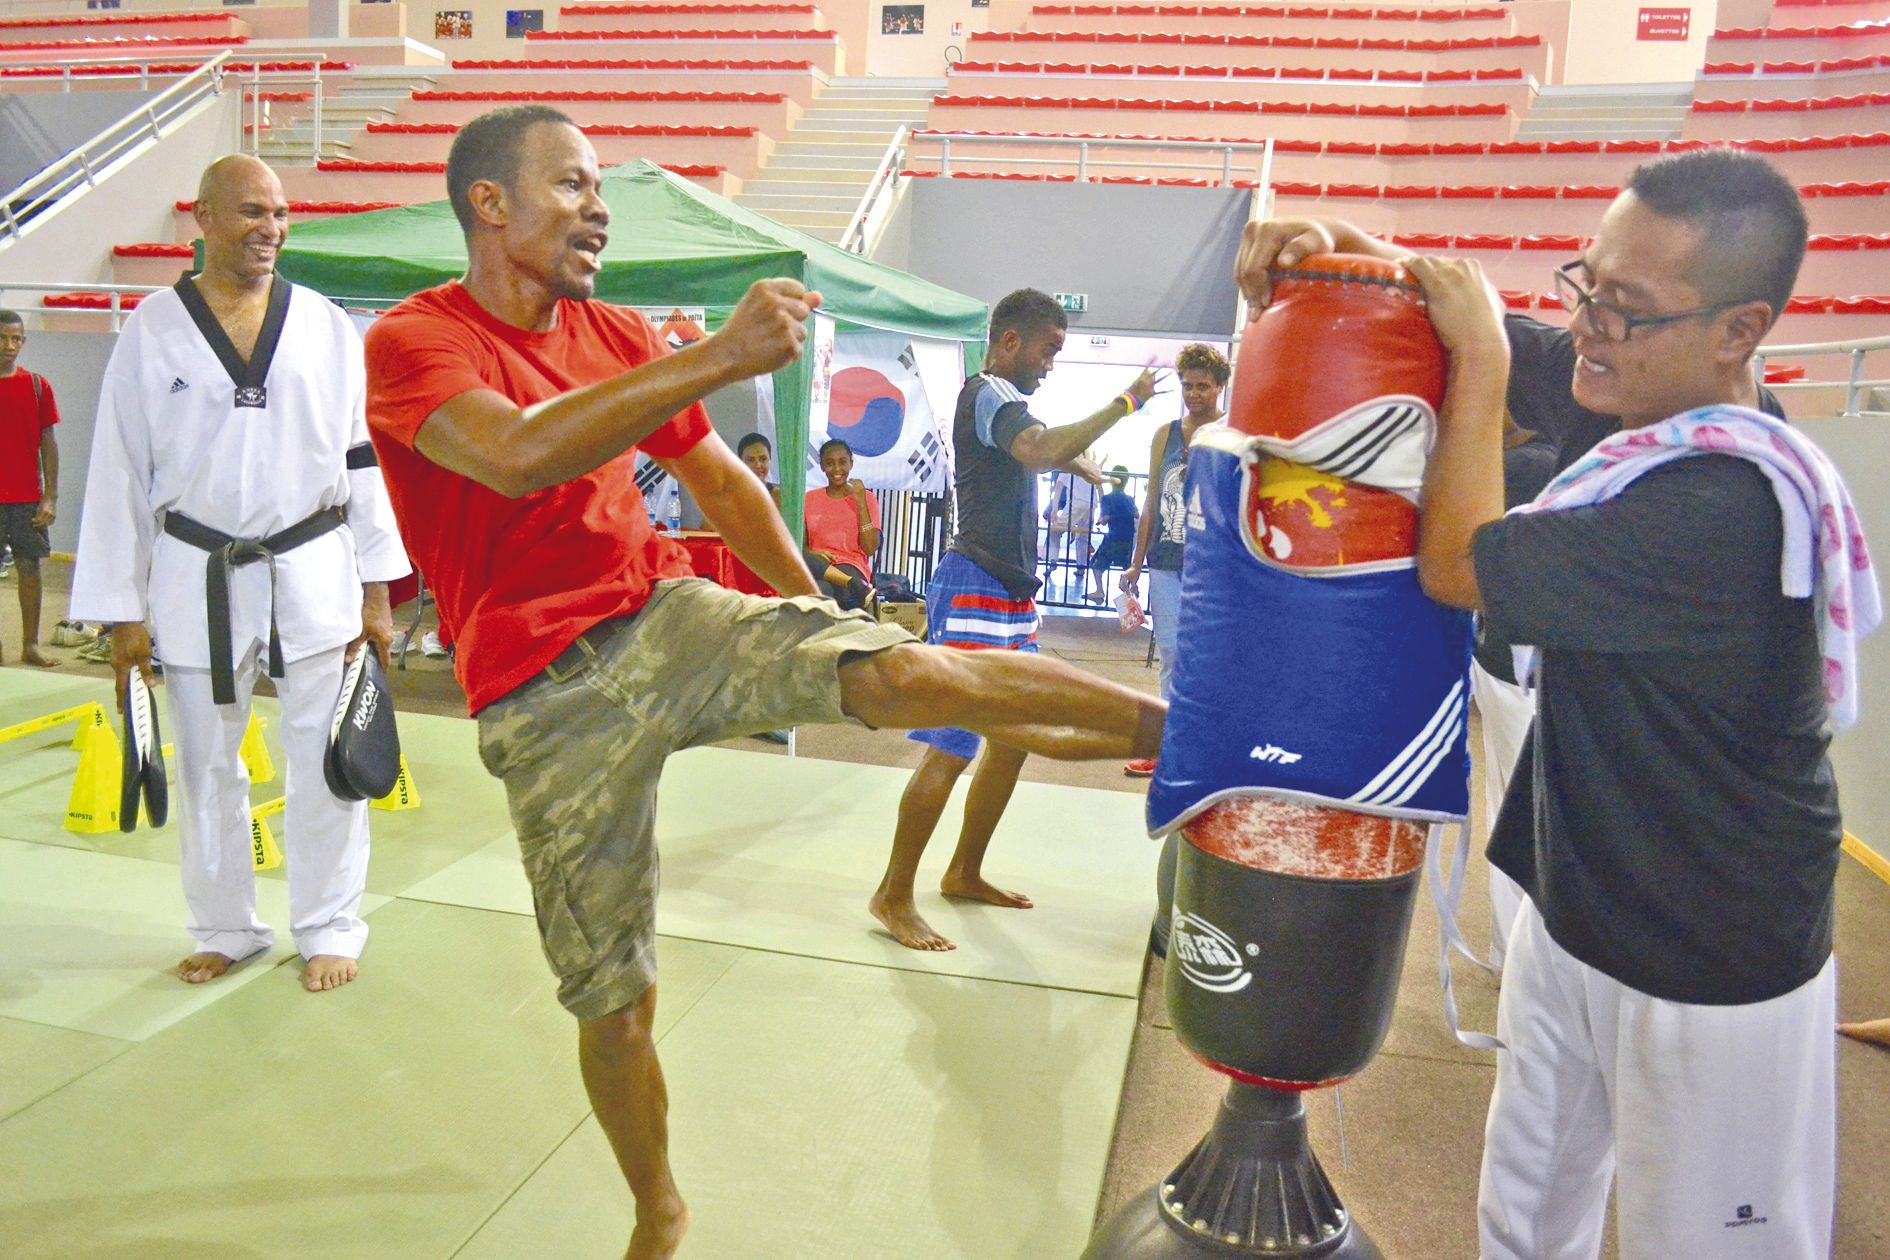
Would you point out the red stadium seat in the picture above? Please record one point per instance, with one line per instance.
(1528, 192)
(1410, 192)
(1873, 305)
(1574, 146)
(1558, 243)
(1421, 240)
(1592, 192)
(1467, 192)
(1352, 148)
(1515, 148)
(1807, 305)
(1352, 190)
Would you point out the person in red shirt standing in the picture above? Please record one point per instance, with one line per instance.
(507, 409)
(29, 476)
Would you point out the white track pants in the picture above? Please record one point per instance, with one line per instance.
(1506, 711)
(1718, 1123)
(325, 840)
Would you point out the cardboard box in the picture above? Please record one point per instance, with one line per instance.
(910, 616)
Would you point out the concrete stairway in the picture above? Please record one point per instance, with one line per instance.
(817, 175)
(368, 94)
(1654, 111)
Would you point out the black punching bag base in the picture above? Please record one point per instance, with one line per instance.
(1252, 1188)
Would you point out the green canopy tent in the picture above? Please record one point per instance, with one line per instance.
(672, 244)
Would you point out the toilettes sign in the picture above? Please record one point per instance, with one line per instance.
(1670, 24)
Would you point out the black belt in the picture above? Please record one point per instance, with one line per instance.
(588, 644)
(227, 553)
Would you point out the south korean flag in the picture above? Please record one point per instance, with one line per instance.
(890, 401)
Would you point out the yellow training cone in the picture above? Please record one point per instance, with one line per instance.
(405, 795)
(264, 854)
(94, 719)
(93, 806)
(255, 753)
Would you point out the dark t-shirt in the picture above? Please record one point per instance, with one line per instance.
(1541, 378)
(1673, 814)
(1118, 511)
(993, 494)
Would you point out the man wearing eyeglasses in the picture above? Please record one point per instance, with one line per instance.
(1669, 993)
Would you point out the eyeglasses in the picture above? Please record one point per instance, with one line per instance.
(1609, 320)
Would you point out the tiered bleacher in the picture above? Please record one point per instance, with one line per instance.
(703, 89)
(1403, 119)
(1405, 122)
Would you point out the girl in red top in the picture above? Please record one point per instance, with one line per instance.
(842, 529)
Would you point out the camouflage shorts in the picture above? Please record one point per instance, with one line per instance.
(580, 749)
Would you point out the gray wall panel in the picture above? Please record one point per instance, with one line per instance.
(73, 363)
(41, 127)
(1152, 260)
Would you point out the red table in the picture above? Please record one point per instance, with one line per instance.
(710, 557)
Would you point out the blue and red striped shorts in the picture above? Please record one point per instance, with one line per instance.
(967, 608)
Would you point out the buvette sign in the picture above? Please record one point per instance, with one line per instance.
(1668, 24)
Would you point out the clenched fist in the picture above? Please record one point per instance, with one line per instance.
(767, 328)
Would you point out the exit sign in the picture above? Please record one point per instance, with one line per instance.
(1074, 303)
(1664, 24)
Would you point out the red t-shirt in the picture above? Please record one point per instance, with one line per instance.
(517, 580)
(22, 420)
(833, 526)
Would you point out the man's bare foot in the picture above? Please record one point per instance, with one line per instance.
(33, 656)
(327, 971)
(1875, 1031)
(203, 966)
(902, 920)
(974, 888)
(659, 1231)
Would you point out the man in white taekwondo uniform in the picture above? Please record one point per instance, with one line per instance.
(233, 503)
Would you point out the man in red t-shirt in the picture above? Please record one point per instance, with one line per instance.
(29, 476)
(507, 409)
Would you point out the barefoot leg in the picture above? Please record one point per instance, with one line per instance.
(919, 809)
(1035, 703)
(991, 787)
(617, 1055)
(29, 617)
(328, 971)
(203, 966)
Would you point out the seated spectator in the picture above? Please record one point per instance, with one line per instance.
(758, 453)
(842, 529)
(1119, 521)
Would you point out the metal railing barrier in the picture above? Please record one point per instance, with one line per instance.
(82, 168)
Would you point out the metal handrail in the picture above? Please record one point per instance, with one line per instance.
(91, 157)
(1854, 385)
(853, 239)
(252, 92)
(116, 310)
(66, 66)
(1227, 149)
(885, 176)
